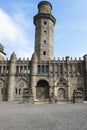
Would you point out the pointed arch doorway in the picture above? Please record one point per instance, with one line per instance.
(42, 90)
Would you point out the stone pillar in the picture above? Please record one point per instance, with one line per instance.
(12, 72)
(67, 64)
(85, 77)
(34, 74)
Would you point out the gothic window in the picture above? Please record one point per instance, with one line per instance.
(79, 70)
(39, 68)
(61, 69)
(42, 68)
(24, 69)
(44, 52)
(21, 69)
(47, 68)
(28, 69)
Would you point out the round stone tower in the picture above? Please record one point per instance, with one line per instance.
(44, 31)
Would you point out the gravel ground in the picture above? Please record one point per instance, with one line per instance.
(43, 117)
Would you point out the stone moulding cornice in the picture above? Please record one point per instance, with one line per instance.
(42, 15)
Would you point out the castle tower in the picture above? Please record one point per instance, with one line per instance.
(44, 31)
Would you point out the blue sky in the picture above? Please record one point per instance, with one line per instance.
(17, 32)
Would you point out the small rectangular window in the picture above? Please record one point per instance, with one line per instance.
(44, 52)
(45, 23)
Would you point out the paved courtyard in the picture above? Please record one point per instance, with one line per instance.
(43, 117)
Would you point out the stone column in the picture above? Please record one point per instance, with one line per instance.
(33, 74)
(85, 77)
(12, 71)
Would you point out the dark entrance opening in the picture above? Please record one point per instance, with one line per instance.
(42, 90)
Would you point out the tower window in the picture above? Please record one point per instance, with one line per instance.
(45, 41)
(45, 23)
(44, 52)
(45, 31)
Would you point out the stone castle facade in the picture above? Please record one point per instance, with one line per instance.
(42, 79)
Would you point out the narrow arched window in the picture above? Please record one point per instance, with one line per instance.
(25, 69)
(21, 69)
(47, 68)
(39, 68)
(28, 69)
(79, 69)
(42, 68)
(61, 69)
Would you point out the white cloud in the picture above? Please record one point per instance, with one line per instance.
(7, 28)
(13, 34)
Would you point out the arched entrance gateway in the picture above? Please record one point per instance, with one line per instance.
(42, 90)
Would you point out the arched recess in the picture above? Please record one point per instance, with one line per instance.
(61, 88)
(61, 93)
(3, 90)
(42, 90)
(19, 88)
